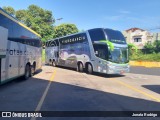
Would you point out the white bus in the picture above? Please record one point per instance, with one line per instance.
(20, 49)
(96, 50)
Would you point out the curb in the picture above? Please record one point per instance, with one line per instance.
(144, 64)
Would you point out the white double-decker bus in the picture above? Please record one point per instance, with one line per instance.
(95, 50)
(20, 49)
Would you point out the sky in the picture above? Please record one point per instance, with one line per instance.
(86, 14)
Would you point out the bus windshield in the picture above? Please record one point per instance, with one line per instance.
(118, 55)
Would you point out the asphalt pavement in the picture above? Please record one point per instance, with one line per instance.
(145, 70)
(59, 89)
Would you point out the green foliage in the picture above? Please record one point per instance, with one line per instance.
(41, 21)
(43, 55)
(157, 46)
(152, 47)
(132, 49)
(153, 50)
(21, 15)
(9, 10)
(37, 19)
(110, 44)
(64, 29)
(149, 47)
(146, 57)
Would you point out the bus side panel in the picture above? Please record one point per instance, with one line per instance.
(72, 53)
(22, 57)
(3, 70)
(38, 58)
(13, 64)
(91, 49)
(46, 55)
(10, 64)
(34, 54)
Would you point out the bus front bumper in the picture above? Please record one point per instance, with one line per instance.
(118, 69)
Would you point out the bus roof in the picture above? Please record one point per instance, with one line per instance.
(3, 12)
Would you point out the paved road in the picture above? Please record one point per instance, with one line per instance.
(145, 70)
(57, 89)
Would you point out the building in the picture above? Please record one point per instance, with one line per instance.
(140, 37)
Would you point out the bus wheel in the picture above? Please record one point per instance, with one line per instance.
(33, 69)
(27, 72)
(50, 62)
(54, 63)
(89, 69)
(80, 67)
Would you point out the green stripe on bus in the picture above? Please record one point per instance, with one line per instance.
(110, 44)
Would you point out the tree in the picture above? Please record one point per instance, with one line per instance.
(41, 21)
(152, 47)
(149, 48)
(132, 48)
(37, 19)
(157, 46)
(9, 10)
(64, 29)
(21, 15)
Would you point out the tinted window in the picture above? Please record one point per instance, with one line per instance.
(46, 44)
(115, 36)
(31, 42)
(52, 43)
(101, 51)
(49, 43)
(14, 29)
(57, 42)
(97, 34)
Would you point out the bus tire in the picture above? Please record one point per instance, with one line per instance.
(89, 69)
(27, 72)
(33, 69)
(50, 62)
(80, 67)
(54, 63)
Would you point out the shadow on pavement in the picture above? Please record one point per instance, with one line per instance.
(154, 88)
(108, 75)
(25, 96)
(94, 73)
(70, 97)
(19, 79)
